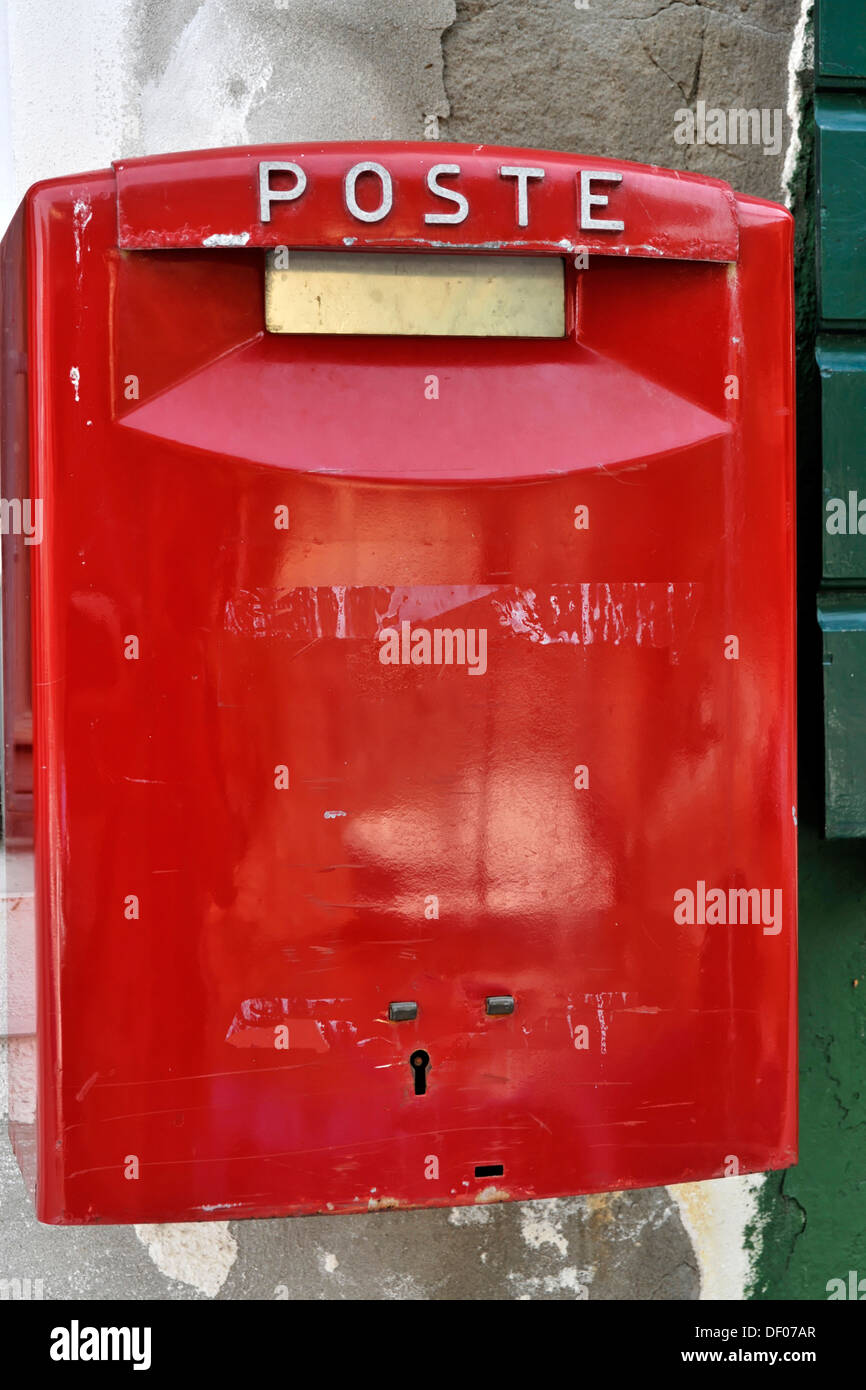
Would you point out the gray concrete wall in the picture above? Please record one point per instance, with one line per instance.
(610, 79)
(92, 80)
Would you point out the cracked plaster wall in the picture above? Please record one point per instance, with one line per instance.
(610, 79)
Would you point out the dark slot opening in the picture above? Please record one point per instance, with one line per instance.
(489, 1170)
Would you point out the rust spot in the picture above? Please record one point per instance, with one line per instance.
(492, 1194)
(383, 1204)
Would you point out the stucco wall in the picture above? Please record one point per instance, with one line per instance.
(92, 80)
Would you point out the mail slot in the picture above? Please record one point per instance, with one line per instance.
(398, 671)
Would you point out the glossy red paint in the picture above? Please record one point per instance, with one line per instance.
(218, 196)
(216, 952)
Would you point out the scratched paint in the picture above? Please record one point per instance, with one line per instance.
(620, 614)
(256, 1020)
(81, 216)
(226, 239)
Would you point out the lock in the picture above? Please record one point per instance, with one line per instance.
(420, 1062)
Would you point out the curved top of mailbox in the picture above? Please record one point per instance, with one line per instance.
(422, 196)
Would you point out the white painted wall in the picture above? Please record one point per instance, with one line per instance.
(66, 83)
(87, 81)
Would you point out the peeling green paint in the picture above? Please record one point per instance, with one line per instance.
(811, 1223)
(812, 1218)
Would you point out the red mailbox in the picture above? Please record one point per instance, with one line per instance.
(398, 679)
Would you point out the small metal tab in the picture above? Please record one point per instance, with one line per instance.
(500, 1004)
(403, 1011)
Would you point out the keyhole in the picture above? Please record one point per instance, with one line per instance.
(419, 1062)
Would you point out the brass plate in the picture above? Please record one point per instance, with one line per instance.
(419, 294)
